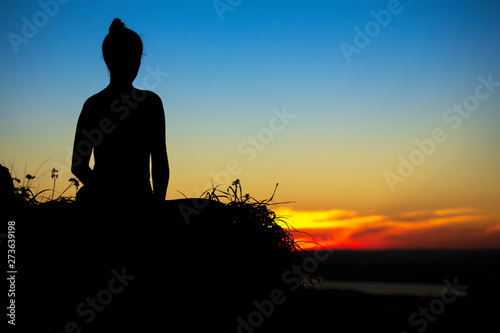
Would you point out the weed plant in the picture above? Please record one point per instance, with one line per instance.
(237, 247)
(25, 192)
(249, 211)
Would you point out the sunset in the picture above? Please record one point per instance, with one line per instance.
(378, 120)
(406, 124)
(433, 229)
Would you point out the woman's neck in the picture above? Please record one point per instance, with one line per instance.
(120, 83)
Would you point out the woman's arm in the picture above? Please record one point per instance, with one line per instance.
(82, 149)
(159, 159)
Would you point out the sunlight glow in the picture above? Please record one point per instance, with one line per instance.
(347, 229)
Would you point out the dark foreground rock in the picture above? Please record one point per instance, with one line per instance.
(196, 264)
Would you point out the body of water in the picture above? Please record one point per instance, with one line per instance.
(384, 288)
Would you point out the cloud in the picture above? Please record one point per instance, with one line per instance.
(369, 231)
(346, 228)
(492, 229)
(427, 215)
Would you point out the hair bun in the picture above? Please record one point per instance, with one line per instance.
(116, 26)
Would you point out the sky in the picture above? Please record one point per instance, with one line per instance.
(378, 119)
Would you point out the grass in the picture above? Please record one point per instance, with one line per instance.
(25, 191)
(237, 247)
(249, 210)
(246, 209)
(252, 215)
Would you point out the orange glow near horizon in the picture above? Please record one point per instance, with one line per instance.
(443, 228)
(460, 227)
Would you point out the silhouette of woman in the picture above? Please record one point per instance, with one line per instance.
(125, 129)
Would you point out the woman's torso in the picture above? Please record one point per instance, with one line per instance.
(118, 129)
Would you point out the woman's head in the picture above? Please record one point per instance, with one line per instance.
(122, 51)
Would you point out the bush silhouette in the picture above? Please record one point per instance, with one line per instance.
(207, 273)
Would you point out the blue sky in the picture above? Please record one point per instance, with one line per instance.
(226, 76)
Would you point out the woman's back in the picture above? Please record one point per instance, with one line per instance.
(124, 127)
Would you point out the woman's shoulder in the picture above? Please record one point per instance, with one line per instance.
(137, 96)
(96, 98)
(151, 102)
(147, 95)
(94, 105)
